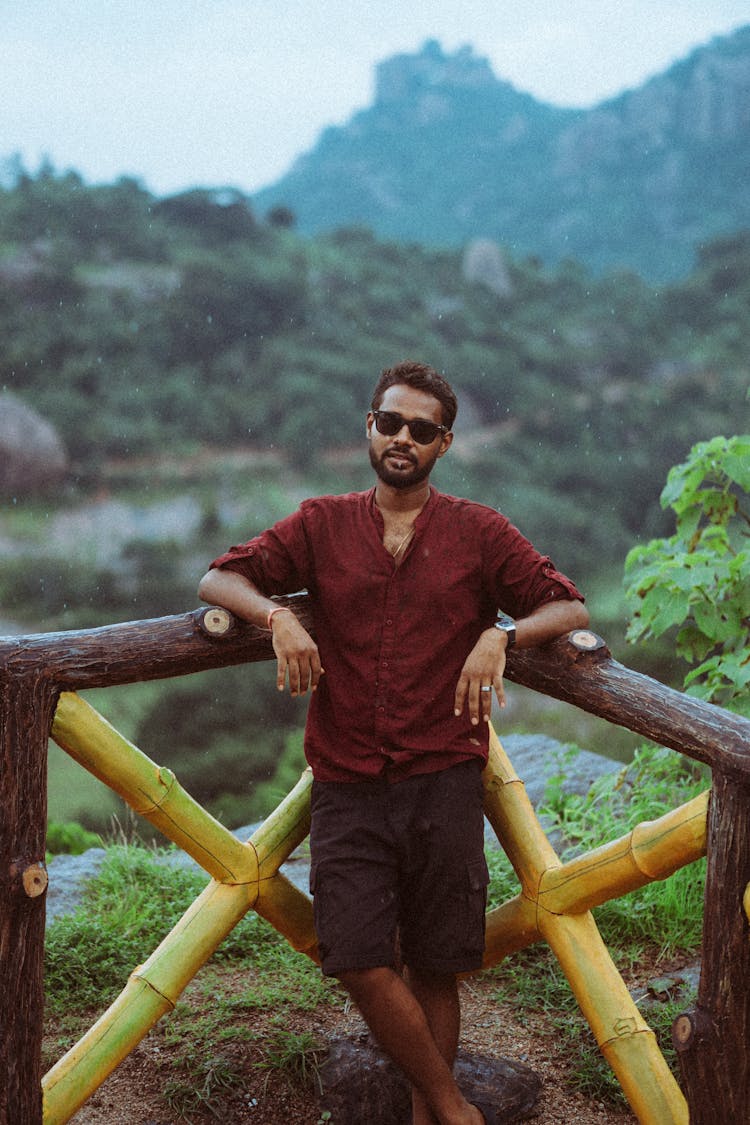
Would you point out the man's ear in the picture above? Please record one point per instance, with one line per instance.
(370, 420)
(445, 443)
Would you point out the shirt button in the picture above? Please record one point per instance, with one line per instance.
(384, 664)
(388, 621)
(381, 709)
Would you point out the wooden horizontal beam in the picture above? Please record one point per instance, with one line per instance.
(577, 669)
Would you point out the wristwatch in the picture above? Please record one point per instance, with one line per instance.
(508, 626)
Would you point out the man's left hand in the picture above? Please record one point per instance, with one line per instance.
(482, 671)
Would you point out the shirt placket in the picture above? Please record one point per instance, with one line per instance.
(386, 654)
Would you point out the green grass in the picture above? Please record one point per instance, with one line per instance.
(296, 1055)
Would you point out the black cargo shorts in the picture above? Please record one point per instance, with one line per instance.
(400, 866)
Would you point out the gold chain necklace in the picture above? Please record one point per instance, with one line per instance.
(402, 545)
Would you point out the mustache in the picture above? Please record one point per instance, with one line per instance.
(400, 451)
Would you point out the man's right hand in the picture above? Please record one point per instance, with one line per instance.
(297, 654)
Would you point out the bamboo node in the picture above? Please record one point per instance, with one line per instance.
(626, 1025)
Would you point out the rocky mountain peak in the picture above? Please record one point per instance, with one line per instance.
(636, 182)
(407, 76)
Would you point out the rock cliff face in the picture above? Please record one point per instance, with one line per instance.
(448, 153)
(32, 456)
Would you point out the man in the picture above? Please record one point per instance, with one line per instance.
(405, 586)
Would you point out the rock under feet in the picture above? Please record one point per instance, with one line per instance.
(360, 1084)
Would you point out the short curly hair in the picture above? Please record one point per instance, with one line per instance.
(421, 377)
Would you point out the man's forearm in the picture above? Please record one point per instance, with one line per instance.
(237, 594)
(549, 621)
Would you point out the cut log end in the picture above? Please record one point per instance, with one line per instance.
(690, 1028)
(585, 641)
(216, 622)
(35, 880)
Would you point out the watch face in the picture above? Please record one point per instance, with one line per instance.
(507, 625)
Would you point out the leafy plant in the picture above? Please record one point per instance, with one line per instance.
(698, 580)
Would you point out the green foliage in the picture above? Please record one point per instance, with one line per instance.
(698, 580)
(187, 321)
(70, 839)
(130, 906)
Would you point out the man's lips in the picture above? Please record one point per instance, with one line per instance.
(400, 460)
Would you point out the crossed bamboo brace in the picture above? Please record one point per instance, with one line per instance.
(554, 905)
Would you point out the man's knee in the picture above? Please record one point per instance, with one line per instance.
(430, 978)
(363, 982)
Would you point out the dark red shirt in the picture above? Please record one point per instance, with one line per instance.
(393, 639)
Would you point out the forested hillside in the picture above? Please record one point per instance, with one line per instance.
(140, 325)
(162, 335)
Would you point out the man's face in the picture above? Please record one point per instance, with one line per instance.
(399, 460)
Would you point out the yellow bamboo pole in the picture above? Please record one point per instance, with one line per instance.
(152, 990)
(151, 791)
(512, 815)
(510, 928)
(650, 851)
(654, 849)
(285, 828)
(290, 912)
(623, 1036)
(279, 901)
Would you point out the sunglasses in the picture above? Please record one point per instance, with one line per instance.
(423, 432)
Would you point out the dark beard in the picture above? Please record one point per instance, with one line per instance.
(406, 479)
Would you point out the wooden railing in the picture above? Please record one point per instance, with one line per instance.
(713, 1039)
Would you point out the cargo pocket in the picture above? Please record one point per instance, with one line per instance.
(478, 881)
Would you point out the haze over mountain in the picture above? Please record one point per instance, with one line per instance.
(448, 152)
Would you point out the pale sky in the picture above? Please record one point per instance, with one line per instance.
(183, 93)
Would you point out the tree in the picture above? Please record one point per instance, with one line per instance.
(698, 580)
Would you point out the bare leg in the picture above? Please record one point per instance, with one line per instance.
(437, 995)
(399, 1023)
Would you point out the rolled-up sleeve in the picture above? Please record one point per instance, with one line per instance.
(522, 578)
(277, 561)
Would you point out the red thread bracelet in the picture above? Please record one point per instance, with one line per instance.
(276, 609)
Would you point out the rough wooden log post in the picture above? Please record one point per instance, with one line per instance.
(27, 706)
(712, 1040)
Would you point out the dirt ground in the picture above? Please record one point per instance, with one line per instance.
(133, 1094)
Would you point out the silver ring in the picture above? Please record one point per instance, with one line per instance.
(487, 688)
